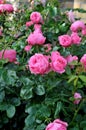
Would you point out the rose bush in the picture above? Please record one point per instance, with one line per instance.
(42, 68)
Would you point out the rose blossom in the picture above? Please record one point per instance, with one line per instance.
(1, 8)
(83, 60)
(36, 17)
(8, 8)
(8, 54)
(58, 62)
(77, 25)
(65, 40)
(70, 59)
(75, 38)
(28, 24)
(36, 38)
(57, 125)
(77, 97)
(27, 48)
(38, 64)
(71, 16)
(84, 31)
(47, 47)
(1, 1)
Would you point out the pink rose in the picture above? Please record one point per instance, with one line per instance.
(70, 59)
(1, 1)
(75, 38)
(36, 17)
(1, 8)
(71, 16)
(47, 47)
(65, 40)
(38, 64)
(77, 97)
(77, 25)
(37, 28)
(36, 38)
(84, 31)
(8, 54)
(58, 63)
(8, 8)
(83, 60)
(28, 24)
(57, 125)
(27, 48)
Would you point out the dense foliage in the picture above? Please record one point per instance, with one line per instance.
(28, 100)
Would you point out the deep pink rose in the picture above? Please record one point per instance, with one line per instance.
(36, 38)
(27, 48)
(83, 60)
(36, 17)
(38, 64)
(77, 25)
(84, 31)
(8, 54)
(37, 28)
(75, 38)
(77, 97)
(28, 24)
(8, 8)
(65, 40)
(57, 125)
(58, 63)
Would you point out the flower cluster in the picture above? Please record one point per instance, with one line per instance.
(6, 8)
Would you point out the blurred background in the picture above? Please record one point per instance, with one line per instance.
(81, 4)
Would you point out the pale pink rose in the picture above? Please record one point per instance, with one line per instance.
(36, 38)
(36, 17)
(27, 48)
(47, 47)
(8, 8)
(83, 60)
(84, 31)
(65, 40)
(1, 8)
(77, 97)
(43, 2)
(38, 64)
(77, 25)
(28, 24)
(8, 54)
(58, 63)
(75, 38)
(1, 1)
(57, 125)
(71, 16)
(0, 32)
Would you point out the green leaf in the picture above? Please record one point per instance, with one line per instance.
(26, 93)
(40, 90)
(10, 111)
(83, 78)
(71, 78)
(41, 127)
(30, 119)
(58, 109)
(83, 124)
(2, 95)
